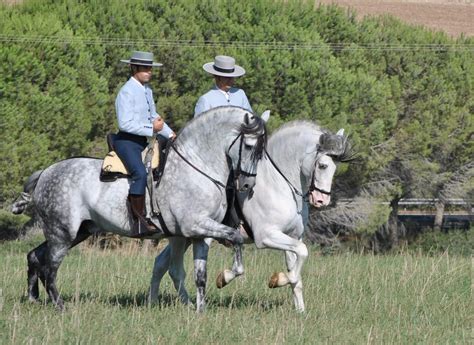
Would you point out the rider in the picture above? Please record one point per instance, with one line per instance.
(137, 120)
(223, 93)
(224, 71)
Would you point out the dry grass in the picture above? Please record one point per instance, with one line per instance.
(452, 16)
(350, 299)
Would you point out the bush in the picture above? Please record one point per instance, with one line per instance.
(11, 225)
(455, 242)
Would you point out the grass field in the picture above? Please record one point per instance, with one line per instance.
(350, 299)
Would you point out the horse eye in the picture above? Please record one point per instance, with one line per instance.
(322, 166)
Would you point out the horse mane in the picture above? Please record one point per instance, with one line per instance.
(338, 147)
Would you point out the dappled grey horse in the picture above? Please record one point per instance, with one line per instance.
(297, 171)
(73, 203)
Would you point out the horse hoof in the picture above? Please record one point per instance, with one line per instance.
(60, 307)
(277, 280)
(273, 283)
(220, 280)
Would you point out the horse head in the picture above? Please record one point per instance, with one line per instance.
(247, 149)
(330, 148)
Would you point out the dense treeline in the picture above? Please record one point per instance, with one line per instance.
(403, 93)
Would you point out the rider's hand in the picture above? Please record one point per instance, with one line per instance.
(173, 136)
(158, 124)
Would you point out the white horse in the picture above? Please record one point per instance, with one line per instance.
(297, 170)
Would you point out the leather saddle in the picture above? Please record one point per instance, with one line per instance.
(113, 167)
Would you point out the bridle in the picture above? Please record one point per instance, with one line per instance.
(237, 172)
(312, 184)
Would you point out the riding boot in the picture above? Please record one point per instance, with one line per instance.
(141, 226)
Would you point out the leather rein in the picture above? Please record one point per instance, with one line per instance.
(237, 172)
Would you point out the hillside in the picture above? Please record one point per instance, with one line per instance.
(452, 16)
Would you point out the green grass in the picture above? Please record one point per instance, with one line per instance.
(350, 299)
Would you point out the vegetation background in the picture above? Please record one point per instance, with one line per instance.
(403, 93)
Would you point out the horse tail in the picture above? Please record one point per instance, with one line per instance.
(21, 203)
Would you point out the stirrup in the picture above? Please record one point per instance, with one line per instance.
(144, 230)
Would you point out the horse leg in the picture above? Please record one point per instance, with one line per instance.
(280, 279)
(54, 256)
(200, 253)
(226, 276)
(278, 240)
(162, 263)
(55, 253)
(176, 268)
(36, 262)
(298, 287)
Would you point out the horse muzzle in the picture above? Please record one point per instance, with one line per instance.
(245, 183)
(318, 199)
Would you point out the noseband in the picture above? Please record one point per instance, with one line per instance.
(238, 171)
(312, 185)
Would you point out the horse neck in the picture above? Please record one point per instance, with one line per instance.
(206, 138)
(290, 145)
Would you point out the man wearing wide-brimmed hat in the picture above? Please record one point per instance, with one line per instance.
(137, 120)
(224, 70)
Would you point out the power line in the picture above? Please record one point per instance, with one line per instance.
(235, 44)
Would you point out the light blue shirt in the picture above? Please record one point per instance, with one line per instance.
(218, 98)
(136, 110)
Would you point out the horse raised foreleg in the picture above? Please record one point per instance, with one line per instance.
(280, 279)
(278, 240)
(226, 276)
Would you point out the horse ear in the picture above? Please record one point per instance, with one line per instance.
(265, 115)
(247, 119)
(340, 132)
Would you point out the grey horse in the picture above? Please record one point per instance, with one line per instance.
(296, 172)
(73, 203)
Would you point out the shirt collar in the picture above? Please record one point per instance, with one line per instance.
(136, 81)
(226, 94)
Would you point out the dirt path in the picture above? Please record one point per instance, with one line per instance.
(453, 17)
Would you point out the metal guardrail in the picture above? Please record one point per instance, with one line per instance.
(426, 202)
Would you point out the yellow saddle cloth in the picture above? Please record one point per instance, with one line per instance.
(113, 165)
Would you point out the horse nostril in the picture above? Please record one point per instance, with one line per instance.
(245, 187)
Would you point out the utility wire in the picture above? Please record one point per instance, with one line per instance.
(235, 44)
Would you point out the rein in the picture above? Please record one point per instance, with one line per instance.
(216, 182)
(295, 190)
(239, 171)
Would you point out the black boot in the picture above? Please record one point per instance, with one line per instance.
(141, 226)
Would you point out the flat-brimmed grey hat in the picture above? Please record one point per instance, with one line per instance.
(142, 59)
(224, 66)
